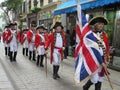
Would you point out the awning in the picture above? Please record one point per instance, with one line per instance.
(66, 7)
(70, 6)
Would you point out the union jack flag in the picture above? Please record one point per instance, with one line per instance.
(87, 54)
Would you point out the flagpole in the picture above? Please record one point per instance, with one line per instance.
(111, 85)
(46, 64)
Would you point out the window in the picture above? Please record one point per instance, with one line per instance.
(24, 7)
(49, 1)
(30, 5)
(41, 2)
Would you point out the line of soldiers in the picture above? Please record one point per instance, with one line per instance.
(36, 41)
(11, 38)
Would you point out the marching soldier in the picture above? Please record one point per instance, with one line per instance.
(102, 39)
(40, 44)
(13, 39)
(57, 40)
(24, 42)
(31, 38)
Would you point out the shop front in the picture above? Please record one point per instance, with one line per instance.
(46, 18)
(46, 15)
(31, 17)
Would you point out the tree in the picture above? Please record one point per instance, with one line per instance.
(11, 5)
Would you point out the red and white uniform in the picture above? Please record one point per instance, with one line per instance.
(24, 40)
(57, 41)
(40, 43)
(98, 76)
(31, 39)
(13, 39)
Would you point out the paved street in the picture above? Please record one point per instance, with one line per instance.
(25, 75)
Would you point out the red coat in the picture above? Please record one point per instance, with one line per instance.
(106, 41)
(23, 38)
(18, 36)
(46, 37)
(4, 36)
(9, 36)
(38, 40)
(51, 41)
(29, 35)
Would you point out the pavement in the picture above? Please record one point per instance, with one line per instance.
(25, 75)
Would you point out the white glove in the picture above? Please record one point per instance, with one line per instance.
(63, 48)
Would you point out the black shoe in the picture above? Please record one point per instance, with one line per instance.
(23, 51)
(30, 55)
(38, 60)
(11, 57)
(41, 60)
(54, 72)
(87, 85)
(55, 77)
(57, 69)
(98, 86)
(14, 58)
(34, 59)
(26, 51)
(41, 65)
(29, 58)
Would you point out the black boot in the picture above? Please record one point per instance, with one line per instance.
(26, 51)
(87, 85)
(15, 54)
(41, 60)
(6, 51)
(30, 55)
(54, 72)
(57, 69)
(38, 59)
(10, 54)
(23, 51)
(34, 56)
(98, 86)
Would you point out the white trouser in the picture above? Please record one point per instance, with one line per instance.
(25, 44)
(31, 47)
(96, 77)
(41, 50)
(56, 57)
(13, 46)
(6, 45)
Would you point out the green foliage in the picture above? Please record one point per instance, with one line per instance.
(1, 15)
(12, 5)
(0, 29)
(35, 9)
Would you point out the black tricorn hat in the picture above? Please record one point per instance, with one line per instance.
(25, 30)
(97, 19)
(6, 26)
(40, 27)
(33, 23)
(15, 23)
(12, 24)
(58, 24)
